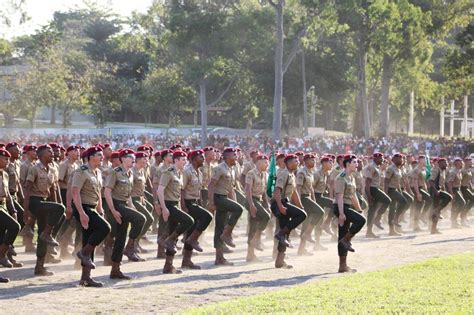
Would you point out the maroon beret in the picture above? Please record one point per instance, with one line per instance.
(434, 160)
(141, 154)
(206, 149)
(309, 156)
(114, 155)
(299, 153)
(229, 150)
(165, 152)
(280, 156)
(290, 157)
(442, 160)
(106, 145)
(195, 153)
(53, 145)
(377, 154)
(43, 147)
(11, 145)
(29, 147)
(5, 153)
(176, 146)
(340, 157)
(125, 152)
(457, 159)
(72, 147)
(467, 158)
(253, 152)
(397, 155)
(326, 159)
(143, 148)
(2, 145)
(262, 157)
(157, 153)
(349, 157)
(179, 153)
(421, 157)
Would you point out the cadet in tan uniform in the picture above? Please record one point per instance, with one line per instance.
(9, 227)
(222, 202)
(320, 184)
(40, 200)
(167, 158)
(66, 169)
(249, 165)
(209, 164)
(392, 187)
(27, 231)
(106, 167)
(417, 178)
(138, 197)
(377, 199)
(153, 169)
(305, 188)
(87, 209)
(287, 208)
(191, 204)
(347, 209)
(169, 193)
(440, 197)
(466, 189)
(257, 204)
(330, 224)
(453, 185)
(118, 191)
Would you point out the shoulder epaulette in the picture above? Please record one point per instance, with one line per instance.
(118, 169)
(84, 167)
(343, 174)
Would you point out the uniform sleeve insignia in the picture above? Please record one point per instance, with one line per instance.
(84, 167)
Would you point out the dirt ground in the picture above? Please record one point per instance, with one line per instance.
(152, 292)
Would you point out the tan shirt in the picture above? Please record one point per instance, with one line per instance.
(372, 171)
(121, 183)
(192, 183)
(43, 180)
(13, 171)
(394, 174)
(286, 182)
(25, 166)
(466, 177)
(304, 179)
(248, 166)
(442, 177)
(320, 181)
(153, 168)
(207, 173)
(359, 180)
(346, 186)
(258, 181)
(139, 182)
(90, 184)
(4, 194)
(157, 175)
(224, 178)
(455, 177)
(172, 182)
(417, 177)
(335, 172)
(66, 169)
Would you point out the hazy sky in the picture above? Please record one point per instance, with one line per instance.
(41, 11)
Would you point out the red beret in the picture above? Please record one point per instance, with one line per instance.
(309, 156)
(73, 147)
(262, 157)
(331, 156)
(349, 157)
(442, 160)
(5, 153)
(125, 152)
(457, 159)
(435, 159)
(280, 156)
(11, 145)
(157, 153)
(378, 154)
(229, 150)
(299, 153)
(340, 157)
(106, 145)
(206, 149)
(43, 147)
(179, 153)
(2, 145)
(141, 154)
(176, 146)
(397, 155)
(53, 145)
(142, 148)
(187, 149)
(62, 148)
(421, 157)
(92, 150)
(326, 159)
(195, 153)
(114, 155)
(150, 147)
(165, 152)
(290, 157)
(29, 147)
(467, 158)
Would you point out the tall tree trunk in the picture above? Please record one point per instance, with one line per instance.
(362, 91)
(53, 115)
(385, 93)
(278, 92)
(305, 95)
(65, 117)
(203, 105)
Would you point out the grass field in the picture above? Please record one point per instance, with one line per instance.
(436, 286)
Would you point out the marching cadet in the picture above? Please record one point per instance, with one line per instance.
(156, 164)
(249, 165)
(466, 189)
(222, 202)
(392, 187)
(191, 204)
(332, 177)
(320, 182)
(87, 209)
(118, 191)
(257, 205)
(304, 187)
(110, 161)
(27, 231)
(287, 208)
(9, 227)
(138, 198)
(418, 186)
(453, 185)
(209, 164)
(15, 190)
(359, 178)
(347, 209)
(66, 169)
(377, 199)
(169, 194)
(167, 158)
(406, 191)
(439, 196)
(41, 201)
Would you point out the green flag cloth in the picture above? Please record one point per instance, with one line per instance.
(427, 166)
(271, 176)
